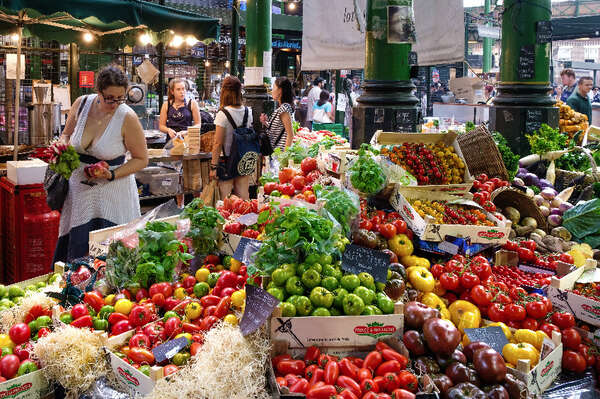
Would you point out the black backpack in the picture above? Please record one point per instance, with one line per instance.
(245, 149)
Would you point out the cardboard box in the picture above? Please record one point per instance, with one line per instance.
(470, 89)
(26, 172)
(426, 229)
(335, 332)
(584, 309)
(449, 139)
(511, 258)
(28, 386)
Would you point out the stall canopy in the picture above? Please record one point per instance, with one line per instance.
(576, 27)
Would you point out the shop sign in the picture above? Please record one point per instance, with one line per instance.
(86, 79)
(491, 32)
(293, 44)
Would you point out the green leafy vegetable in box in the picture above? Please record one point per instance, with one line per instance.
(121, 264)
(576, 160)
(366, 175)
(511, 161)
(205, 223)
(583, 219)
(296, 153)
(63, 159)
(340, 204)
(326, 143)
(546, 139)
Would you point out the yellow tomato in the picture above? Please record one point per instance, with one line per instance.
(180, 293)
(183, 276)
(525, 351)
(6, 342)
(109, 300)
(231, 319)
(193, 310)
(237, 298)
(202, 274)
(464, 314)
(219, 268)
(413, 260)
(286, 196)
(188, 336)
(401, 245)
(235, 265)
(123, 306)
(421, 279)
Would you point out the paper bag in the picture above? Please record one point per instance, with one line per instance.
(210, 194)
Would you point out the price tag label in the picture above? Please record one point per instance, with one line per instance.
(248, 219)
(448, 247)
(543, 32)
(493, 336)
(169, 349)
(357, 259)
(259, 306)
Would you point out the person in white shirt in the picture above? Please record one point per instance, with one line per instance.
(313, 97)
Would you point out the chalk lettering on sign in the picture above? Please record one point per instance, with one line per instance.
(259, 306)
(169, 349)
(493, 336)
(526, 67)
(246, 249)
(357, 259)
(543, 32)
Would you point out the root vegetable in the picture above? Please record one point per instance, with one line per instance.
(545, 211)
(522, 231)
(566, 193)
(554, 244)
(512, 214)
(539, 232)
(554, 220)
(529, 221)
(548, 193)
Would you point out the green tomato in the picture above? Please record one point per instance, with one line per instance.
(326, 259)
(279, 277)
(365, 294)
(303, 306)
(6, 351)
(180, 358)
(335, 312)
(212, 279)
(3, 291)
(320, 312)
(368, 311)
(311, 278)
(338, 298)
(380, 287)
(287, 309)
(376, 310)
(353, 305)
(6, 302)
(33, 326)
(313, 258)
(366, 280)
(277, 293)
(292, 299)
(338, 274)
(31, 287)
(321, 298)
(201, 289)
(294, 286)
(40, 284)
(26, 367)
(317, 266)
(302, 267)
(275, 193)
(389, 274)
(385, 303)
(290, 268)
(170, 314)
(66, 318)
(350, 282)
(54, 278)
(330, 283)
(328, 270)
(145, 369)
(15, 291)
(106, 311)
(43, 321)
(100, 324)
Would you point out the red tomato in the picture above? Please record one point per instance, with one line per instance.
(529, 244)
(515, 312)
(563, 320)
(170, 369)
(158, 300)
(365, 224)
(402, 394)
(308, 165)
(454, 266)
(140, 340)
(400, 226)
(573, 361)
(332, 372)
(94, 300)
(19, 333)
(516, 293)
(79, 310)
(286, 175)
(469, 280)
(408, 381)
(437, 270)
(390, 366)
(321, 392)
(270, 187)
(449, 281)
(482, 270)
(291, 367)
(368, 385)
(526, 255)
(571, 338)
(348, 383)
(387, 230)
(536, 309)
(310, 198)
(300, 386)
(299, 182)
(482, 178)
(530, 324)
(9, 365)
(287, 189)
(481, 296)
(548, 328)
(496, 312)
(565, 257)
(364, 374)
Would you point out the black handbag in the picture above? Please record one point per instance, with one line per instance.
(266, 148)
(56, 186)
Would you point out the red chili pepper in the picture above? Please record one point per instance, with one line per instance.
(390, 354)
(348, 368)
(372, 360)
(312, 355)
(191, 328)
(332, 372)
(347, 394)
(223, 307)
(391, 366)
(321, 392)
(83, 322)
(209, 300)
(348, 383)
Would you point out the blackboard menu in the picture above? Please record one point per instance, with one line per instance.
(405, 120)
(493, 336)
(543, 32)
(526, 65)
(357, 259)
(412, 58)
(259, 306)
(533, 120)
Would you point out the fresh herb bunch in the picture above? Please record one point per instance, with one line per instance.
(268, 177)
(469, 126)
(577, 160)
(366, 175)
(326, 143)
(339, 204)
(292, 236)
(546, 139)
(161, 252)
(511, 161)
(63, 159)
(204, 226)
(296, 152)
(121, 264)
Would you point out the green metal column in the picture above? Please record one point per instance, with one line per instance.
(258, 34)
(74, 71)
(235, 34)
(487, 42)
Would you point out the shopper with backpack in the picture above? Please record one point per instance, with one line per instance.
(236, 149)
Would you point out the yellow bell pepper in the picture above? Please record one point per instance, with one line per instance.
(421, 279)
(413, 260)
(6, 342)
(401, 245)
(438, 289)
(464, 314)
(504, 328)
(535, 338)
(433, 301)
(522, 351)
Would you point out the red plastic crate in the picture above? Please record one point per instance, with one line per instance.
(28, 232)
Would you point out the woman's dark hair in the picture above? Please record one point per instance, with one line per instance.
(323, 98)
(231, 92)
(287, 94)
(111, 75)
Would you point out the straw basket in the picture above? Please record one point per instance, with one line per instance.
(481, 153)
(206, 141)
(508, 196)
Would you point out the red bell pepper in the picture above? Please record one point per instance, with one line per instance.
(83, 322)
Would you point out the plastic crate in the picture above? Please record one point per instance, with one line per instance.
(28, 232)
(337, 128)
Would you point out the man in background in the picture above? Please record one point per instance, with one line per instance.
(567, 76)
(313, 98)
(579, 100)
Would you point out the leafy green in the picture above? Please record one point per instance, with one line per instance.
(511, 161)
(366, 175)
(121, 263)
(296, 126)
(204, 226)
(268, 177)
(339, 204)
(576, 160)
(546, 139)
(583, 219)
(160, 253)
(67, 162)
(469, 126)
(296, 153)
(326, 143)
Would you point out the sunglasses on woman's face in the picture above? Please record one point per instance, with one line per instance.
(111, 100)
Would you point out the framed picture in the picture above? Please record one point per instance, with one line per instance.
(401, 24)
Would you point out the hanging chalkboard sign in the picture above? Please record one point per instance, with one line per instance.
(526, 65)
(543, 32)
(405, 120)
(533, 120)
(493, 336)
(412, 58)
(166, 351)
(259, 306)
(357, 259)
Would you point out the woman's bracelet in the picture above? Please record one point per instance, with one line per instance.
(112, 175)
(213, 166)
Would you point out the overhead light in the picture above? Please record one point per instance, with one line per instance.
(227, 64)
(207, 63)
(191, 40)
(14, 37)
(583, 38)
(292, 6)
(88, 37)
(176, 41)
(145, 39)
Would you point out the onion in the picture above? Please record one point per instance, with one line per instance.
(544, 183)
(529, 221)
(521, 173)
(518, 182)
(539, 200)
(545, 211)
(529, 192)
(555, 211)
(565, 206)
(556, 202)
(548, 193)
(554, 220)
(531, 179)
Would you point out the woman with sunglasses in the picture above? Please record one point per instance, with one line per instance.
(101, 128)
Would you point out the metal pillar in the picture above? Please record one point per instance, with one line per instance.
(523, 102)
(160, 48)
(487, 42)
(235, 34)
(74, 71)
(387, 102)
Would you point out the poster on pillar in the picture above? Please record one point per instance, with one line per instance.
(401, 23)
(267, 62)
(335, 38)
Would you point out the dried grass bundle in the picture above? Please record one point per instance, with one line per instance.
(72, 356)
(228, 366)
(16, 314)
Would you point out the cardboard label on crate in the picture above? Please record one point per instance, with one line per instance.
(448, 247)
(246, 249)
(590, 276)
(493, 336)
(129, 375)
(357, 259)
(169, 349)
(259, 306)
(28, 386)
(547, 348)
(248, 219)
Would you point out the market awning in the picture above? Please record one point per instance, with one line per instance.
(65, 20)
(576, 27)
